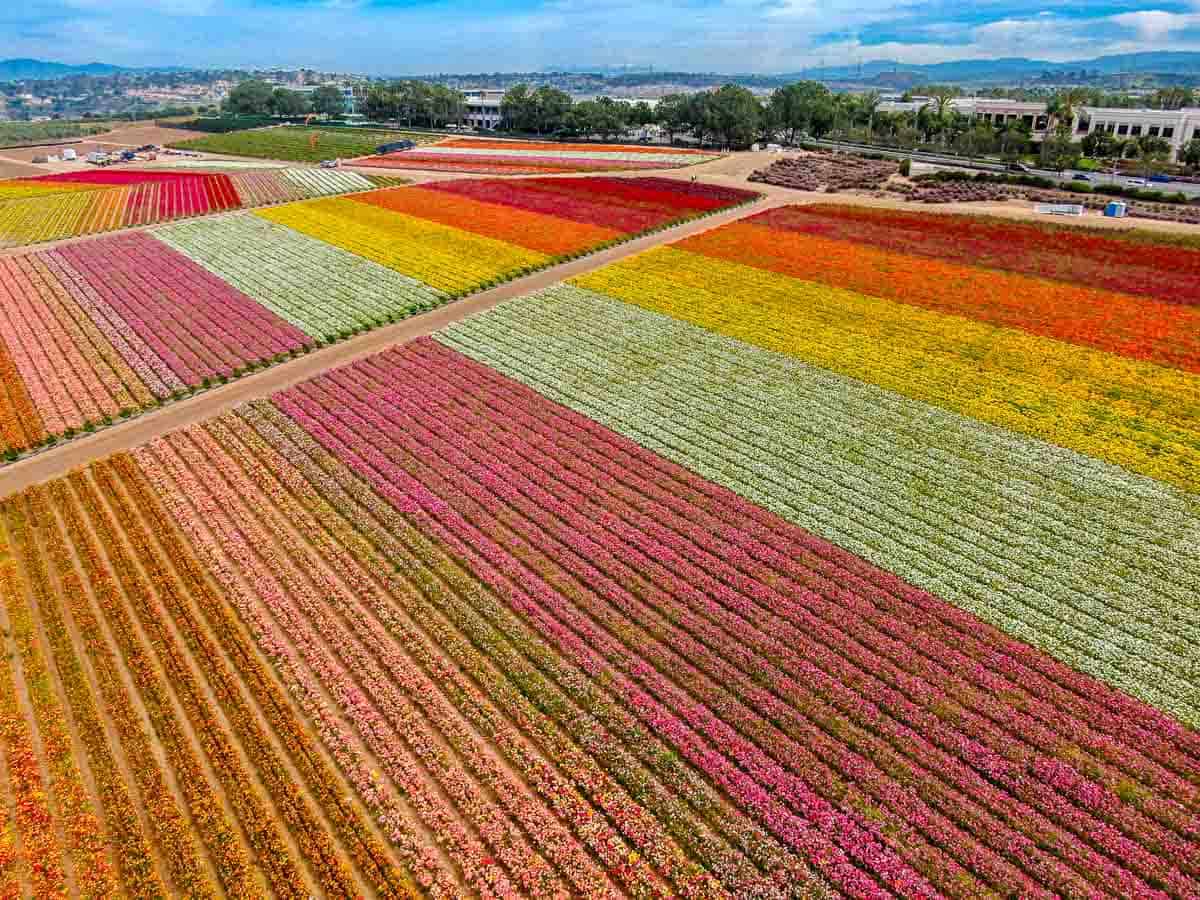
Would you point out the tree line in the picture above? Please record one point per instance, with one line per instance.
(734, 117)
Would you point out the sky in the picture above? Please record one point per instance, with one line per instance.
(398, 37)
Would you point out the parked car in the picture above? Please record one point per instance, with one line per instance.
(394, 147)
(330, 163)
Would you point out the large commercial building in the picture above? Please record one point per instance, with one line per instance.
(1175, 126)
(483, 108)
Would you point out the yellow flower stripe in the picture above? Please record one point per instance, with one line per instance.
(445, 258)
(22, 188)
(31, 220)
(1132, 413)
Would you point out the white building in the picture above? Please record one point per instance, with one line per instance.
(483, 108)
(1175, 126)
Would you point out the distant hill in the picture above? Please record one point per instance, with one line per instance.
(21, 69)
(1164, 61)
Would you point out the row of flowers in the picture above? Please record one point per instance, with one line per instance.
(1145, 328)
(131, 850)
(993, 531)
(552, 235)
(1125, 411)
(82, 203)
(320, 288)
(199, 325)
(447, 259)
(148, 594)
(1126, 262)
(570, 507)
(85, 838)
(831, 841)
(90, 530)
(228, 661)
(595, 556)
(608, 743)
(383, 693)
(626, 205)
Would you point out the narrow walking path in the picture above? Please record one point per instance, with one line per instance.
(57, 461)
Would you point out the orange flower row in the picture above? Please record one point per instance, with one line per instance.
(20, 424)
(1142, 328)
(536, 231)
(265, 839)
(139, 876)
(368, 853)
(219, 836)
(84, 833)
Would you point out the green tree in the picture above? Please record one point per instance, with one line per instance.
(550, 108)
(328, 100)
(941, 94)
(1173, 98)
(732, 114)
(288, 103)
(249, 98)
(673, 114)
(978, 140)
(1190, 154)
(805, 107)
(1151, 153)
(1013, 137)
(1099, 145)
(517, 108)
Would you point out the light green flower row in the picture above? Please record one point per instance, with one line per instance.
(1098, 566)
(319, 288)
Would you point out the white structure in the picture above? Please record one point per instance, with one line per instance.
(483, 108)
(347, 91)
(1175, 126)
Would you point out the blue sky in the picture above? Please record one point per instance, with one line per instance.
(414, 36)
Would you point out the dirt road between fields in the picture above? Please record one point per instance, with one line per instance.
(61, 459)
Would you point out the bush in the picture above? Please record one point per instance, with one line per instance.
(906, 167)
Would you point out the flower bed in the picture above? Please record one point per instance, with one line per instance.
(800, 558)
(530, 158)
(72, 204)
(91, 332)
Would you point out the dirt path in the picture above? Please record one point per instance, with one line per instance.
(61, 459)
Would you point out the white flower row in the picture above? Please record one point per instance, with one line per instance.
(1094, 564)
(319, 288)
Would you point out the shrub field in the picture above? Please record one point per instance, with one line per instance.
(295, 144)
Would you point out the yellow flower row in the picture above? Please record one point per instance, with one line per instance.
(443, 257)
(25, 188)
(30, 220)
(1129, 412)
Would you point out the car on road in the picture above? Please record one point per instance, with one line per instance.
(1019, 167)
(1162, 179)
(1081, 176)
(1135, 182)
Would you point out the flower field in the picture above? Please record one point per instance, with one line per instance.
(52, 207)
(726, 570)
(533, 158)
(548, 660)
(98, 330)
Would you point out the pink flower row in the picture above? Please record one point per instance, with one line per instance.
(570, 554)
(492, 564)
(499, 662)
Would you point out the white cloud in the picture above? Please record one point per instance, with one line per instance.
(1156, 24)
